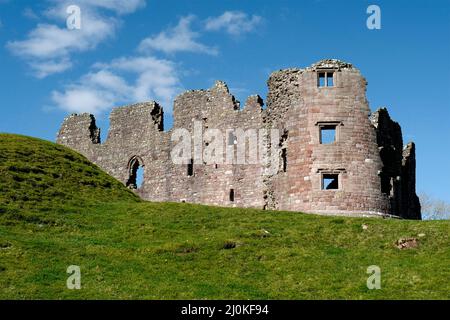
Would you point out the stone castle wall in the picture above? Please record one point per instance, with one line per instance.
(373, 173)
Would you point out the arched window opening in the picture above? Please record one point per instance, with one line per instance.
(136, 173)
(139, 177)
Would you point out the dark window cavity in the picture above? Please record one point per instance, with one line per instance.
(283, 154)
(190, 168)
(232, 195)
(284, 159)
(330, 181)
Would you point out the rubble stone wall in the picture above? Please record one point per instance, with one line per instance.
(374, 174)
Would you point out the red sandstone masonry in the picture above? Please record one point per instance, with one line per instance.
(376, 174)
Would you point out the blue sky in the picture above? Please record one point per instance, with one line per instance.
(127, 51)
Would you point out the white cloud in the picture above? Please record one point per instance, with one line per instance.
(107, 80)
(49, 46)
(233, 22)
(156, 77)
(82, 99)
(57, 9)
(44, 68)
(51, 41)
(106, 85)
(177, 39)
(118, 6)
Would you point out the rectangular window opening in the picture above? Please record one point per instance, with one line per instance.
(330, 182)
(284, 158)
(321, 81)
(190, 168)
(328, 134)
(325, 79)
(330, 79)
(232, 195)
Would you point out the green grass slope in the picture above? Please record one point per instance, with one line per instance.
(58, 210)
(40, 175)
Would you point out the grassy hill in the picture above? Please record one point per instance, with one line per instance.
(57, 209)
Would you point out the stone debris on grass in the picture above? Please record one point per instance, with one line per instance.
(406, 243)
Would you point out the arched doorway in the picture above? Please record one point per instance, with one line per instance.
(135, 173)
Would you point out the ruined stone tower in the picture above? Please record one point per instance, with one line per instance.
(333, 156)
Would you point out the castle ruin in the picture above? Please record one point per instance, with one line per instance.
(335, 156)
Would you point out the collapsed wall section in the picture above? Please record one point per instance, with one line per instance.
(398, 174)
(79, 132)
(224, 181)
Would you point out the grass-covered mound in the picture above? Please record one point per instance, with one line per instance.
(133, 249)
(40, 176)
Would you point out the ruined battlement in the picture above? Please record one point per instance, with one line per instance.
(331, 154)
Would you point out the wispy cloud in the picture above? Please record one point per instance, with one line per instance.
(49, 46)
(177, 39)
(119, 6)
(106, 85)
(234, 23)
(44, 68)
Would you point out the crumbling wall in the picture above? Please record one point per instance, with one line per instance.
(80, 133)
(398, 174)
(211, 183)
(411, 208)
(135, 132)
(376, 175)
